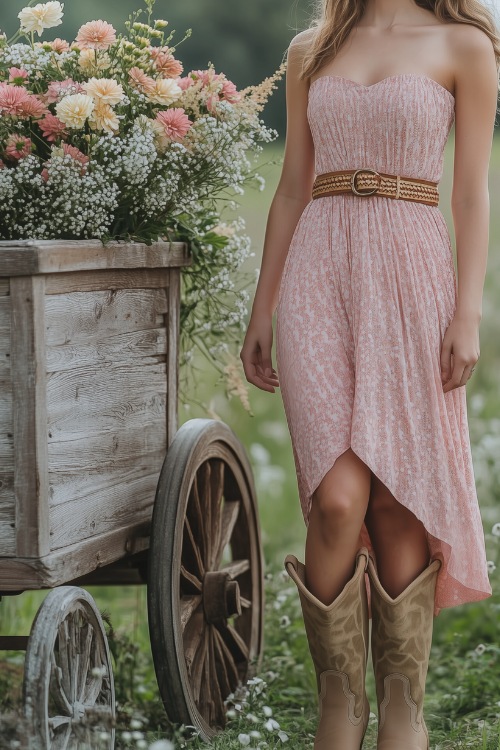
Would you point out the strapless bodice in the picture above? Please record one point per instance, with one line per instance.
(398, 125)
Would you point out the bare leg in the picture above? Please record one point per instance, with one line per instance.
(398, 537)
(337, 512)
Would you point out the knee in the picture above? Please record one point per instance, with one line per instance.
(336, 508)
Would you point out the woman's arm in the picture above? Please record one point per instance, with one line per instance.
(291, 196)
(476, 91)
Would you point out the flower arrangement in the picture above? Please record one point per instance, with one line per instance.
(104, 137)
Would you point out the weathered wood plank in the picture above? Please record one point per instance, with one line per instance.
(112, 508)
(66, 486)
(87, 281)
(149, 345)
(173, 353)
(35, 257)
(68, 563)
(29, 415)
(4, 287)
(84, 317)
(7, 515)
(110, 449)
(87, 391)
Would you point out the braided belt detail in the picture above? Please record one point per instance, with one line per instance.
(367, 181)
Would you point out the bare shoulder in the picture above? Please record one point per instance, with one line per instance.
(469, 45)
(301, 42)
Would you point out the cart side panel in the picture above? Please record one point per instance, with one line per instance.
(7, 499)
(106, 401)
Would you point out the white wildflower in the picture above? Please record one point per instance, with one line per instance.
(40, 17)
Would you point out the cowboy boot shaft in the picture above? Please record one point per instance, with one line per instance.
(337, 636)
(401, 643)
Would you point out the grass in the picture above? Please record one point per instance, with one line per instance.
(463, 689)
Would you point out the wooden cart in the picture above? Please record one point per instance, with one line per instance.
(99, 486)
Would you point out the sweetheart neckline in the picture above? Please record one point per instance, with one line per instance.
(421, 76)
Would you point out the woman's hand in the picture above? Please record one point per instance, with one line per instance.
(256, 353)
(459, 352)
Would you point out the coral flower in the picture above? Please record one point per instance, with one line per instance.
(96, 35)
(75, 153)
(74, 110)
(229, 91)
(18, 147)
(52, 128)
(32, 107)
(140, 80)
(105, 90)
(12, 99)
(175, 123)
(185, 82)
(40, 17)
(165, 63)
(18, 76)
(59, 45)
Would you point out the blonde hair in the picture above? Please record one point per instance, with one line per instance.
(333, 20)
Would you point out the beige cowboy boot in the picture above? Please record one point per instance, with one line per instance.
(401, 644)
(338, 641)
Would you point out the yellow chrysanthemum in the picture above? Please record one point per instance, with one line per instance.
(73, 110)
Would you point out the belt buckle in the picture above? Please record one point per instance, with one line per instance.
(370, 191)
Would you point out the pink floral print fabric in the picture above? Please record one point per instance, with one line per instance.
(367, 292)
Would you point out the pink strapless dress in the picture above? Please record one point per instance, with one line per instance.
(367, 292)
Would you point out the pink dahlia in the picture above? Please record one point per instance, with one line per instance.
(32, 107)
(185, 82)
(140, 80)
(77, 155)
(96, 35)
(59, 45)
(165, 63)
(18, 76)
(175, 123)
(18, 147)
(12, 99)
(52, 128)
(229, 91)
(59, 89)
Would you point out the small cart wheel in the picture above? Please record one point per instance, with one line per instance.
(205, 578)
(68, 686)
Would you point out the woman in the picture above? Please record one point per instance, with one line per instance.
(376, 339)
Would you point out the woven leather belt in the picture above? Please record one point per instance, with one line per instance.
(370, 182)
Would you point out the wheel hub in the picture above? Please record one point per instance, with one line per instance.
(221, 596)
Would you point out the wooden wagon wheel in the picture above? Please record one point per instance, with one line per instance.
(205, 575)
(68, 679)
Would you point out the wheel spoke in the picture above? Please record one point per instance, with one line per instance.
(197, 521)
(234, 642)
(189, 582)
(236, 567)
(193, 637)
(216, 495)
(229, 665)
(216, 699)
(62, 736)
(198, 664)
(188, 606)
(88, 636)
(203, 475)
(190, 552)
(230, 511)
(245, 603)
(63, 646)
(56, 687)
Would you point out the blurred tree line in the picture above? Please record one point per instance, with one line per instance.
(245, 40)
